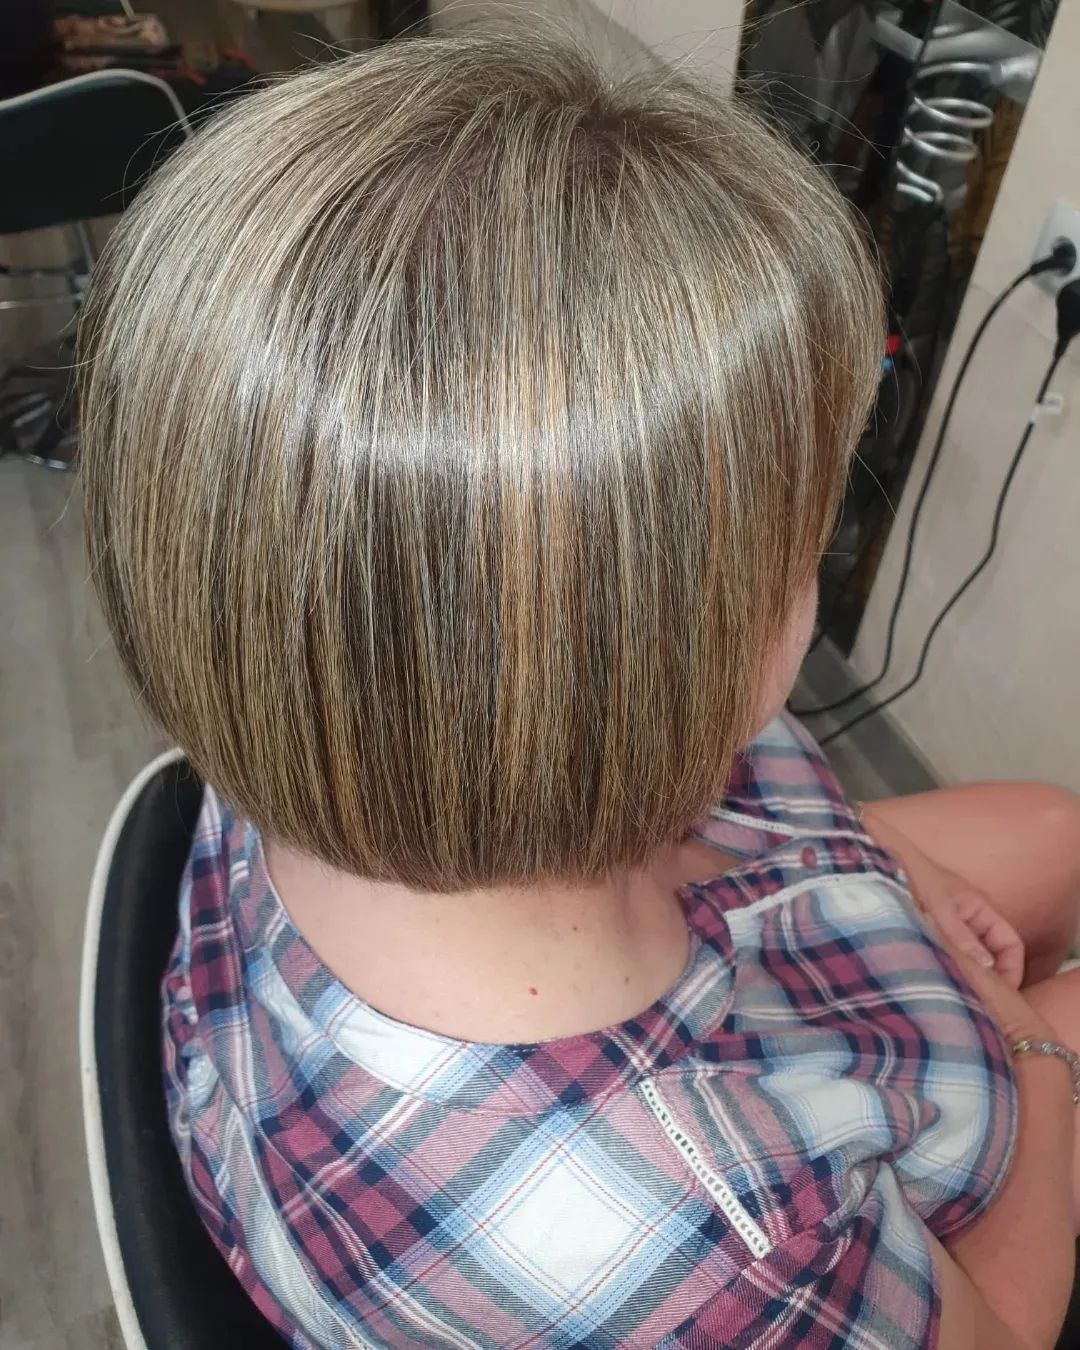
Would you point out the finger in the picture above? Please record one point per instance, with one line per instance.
(986, 923)
(1008, 950)
(960, 936)
(983, 979)
(996, 934)
(1009, 963)
(1009, 1009)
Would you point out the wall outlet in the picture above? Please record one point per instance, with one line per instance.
(1062, 222)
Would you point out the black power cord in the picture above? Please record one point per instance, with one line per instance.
(1068, 326)
(1062, 260)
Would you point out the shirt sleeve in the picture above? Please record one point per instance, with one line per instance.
(891, 1054)
(935, 1047)
(862, 1279)
(957, 1161)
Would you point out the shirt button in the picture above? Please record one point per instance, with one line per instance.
(809, 857)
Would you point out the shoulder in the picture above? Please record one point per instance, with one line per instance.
(859, 1040)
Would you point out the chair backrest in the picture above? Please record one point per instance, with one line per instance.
(171, 1287)
(80, 148)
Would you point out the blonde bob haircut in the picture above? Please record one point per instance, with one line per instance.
(460, 426)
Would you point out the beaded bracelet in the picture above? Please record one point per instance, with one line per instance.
(1029, 1047)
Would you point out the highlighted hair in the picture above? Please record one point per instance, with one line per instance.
(459, 428)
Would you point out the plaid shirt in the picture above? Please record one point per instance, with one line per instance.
(755, 1160)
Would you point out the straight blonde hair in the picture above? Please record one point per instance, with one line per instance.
(459, 426)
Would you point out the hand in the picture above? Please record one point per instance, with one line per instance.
(963, 912)
(971, 924)
(1016, 1019)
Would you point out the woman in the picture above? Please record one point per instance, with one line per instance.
(462, 431)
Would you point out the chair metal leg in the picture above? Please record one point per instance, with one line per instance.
(38, 403)
(38, 411)
(89, 252)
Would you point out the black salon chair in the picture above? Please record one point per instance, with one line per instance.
(171, 1288)
(70, 152)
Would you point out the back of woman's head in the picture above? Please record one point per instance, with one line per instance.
(459, 428)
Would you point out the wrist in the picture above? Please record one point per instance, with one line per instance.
(1034, 1050)
(1017, 1020)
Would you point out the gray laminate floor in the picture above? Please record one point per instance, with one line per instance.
(70, 738)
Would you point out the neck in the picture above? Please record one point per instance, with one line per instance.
(502, 965)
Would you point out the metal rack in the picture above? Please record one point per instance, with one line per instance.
(966, 60)
(961, 35)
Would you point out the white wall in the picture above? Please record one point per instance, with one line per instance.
(704, 33)
(1001, 693)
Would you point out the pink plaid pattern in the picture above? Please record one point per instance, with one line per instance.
(755, 1160)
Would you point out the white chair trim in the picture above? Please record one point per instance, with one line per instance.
(91, 1100)
(112, 75)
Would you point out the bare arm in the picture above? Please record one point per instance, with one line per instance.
(967, 1320)
(1005, 1280)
